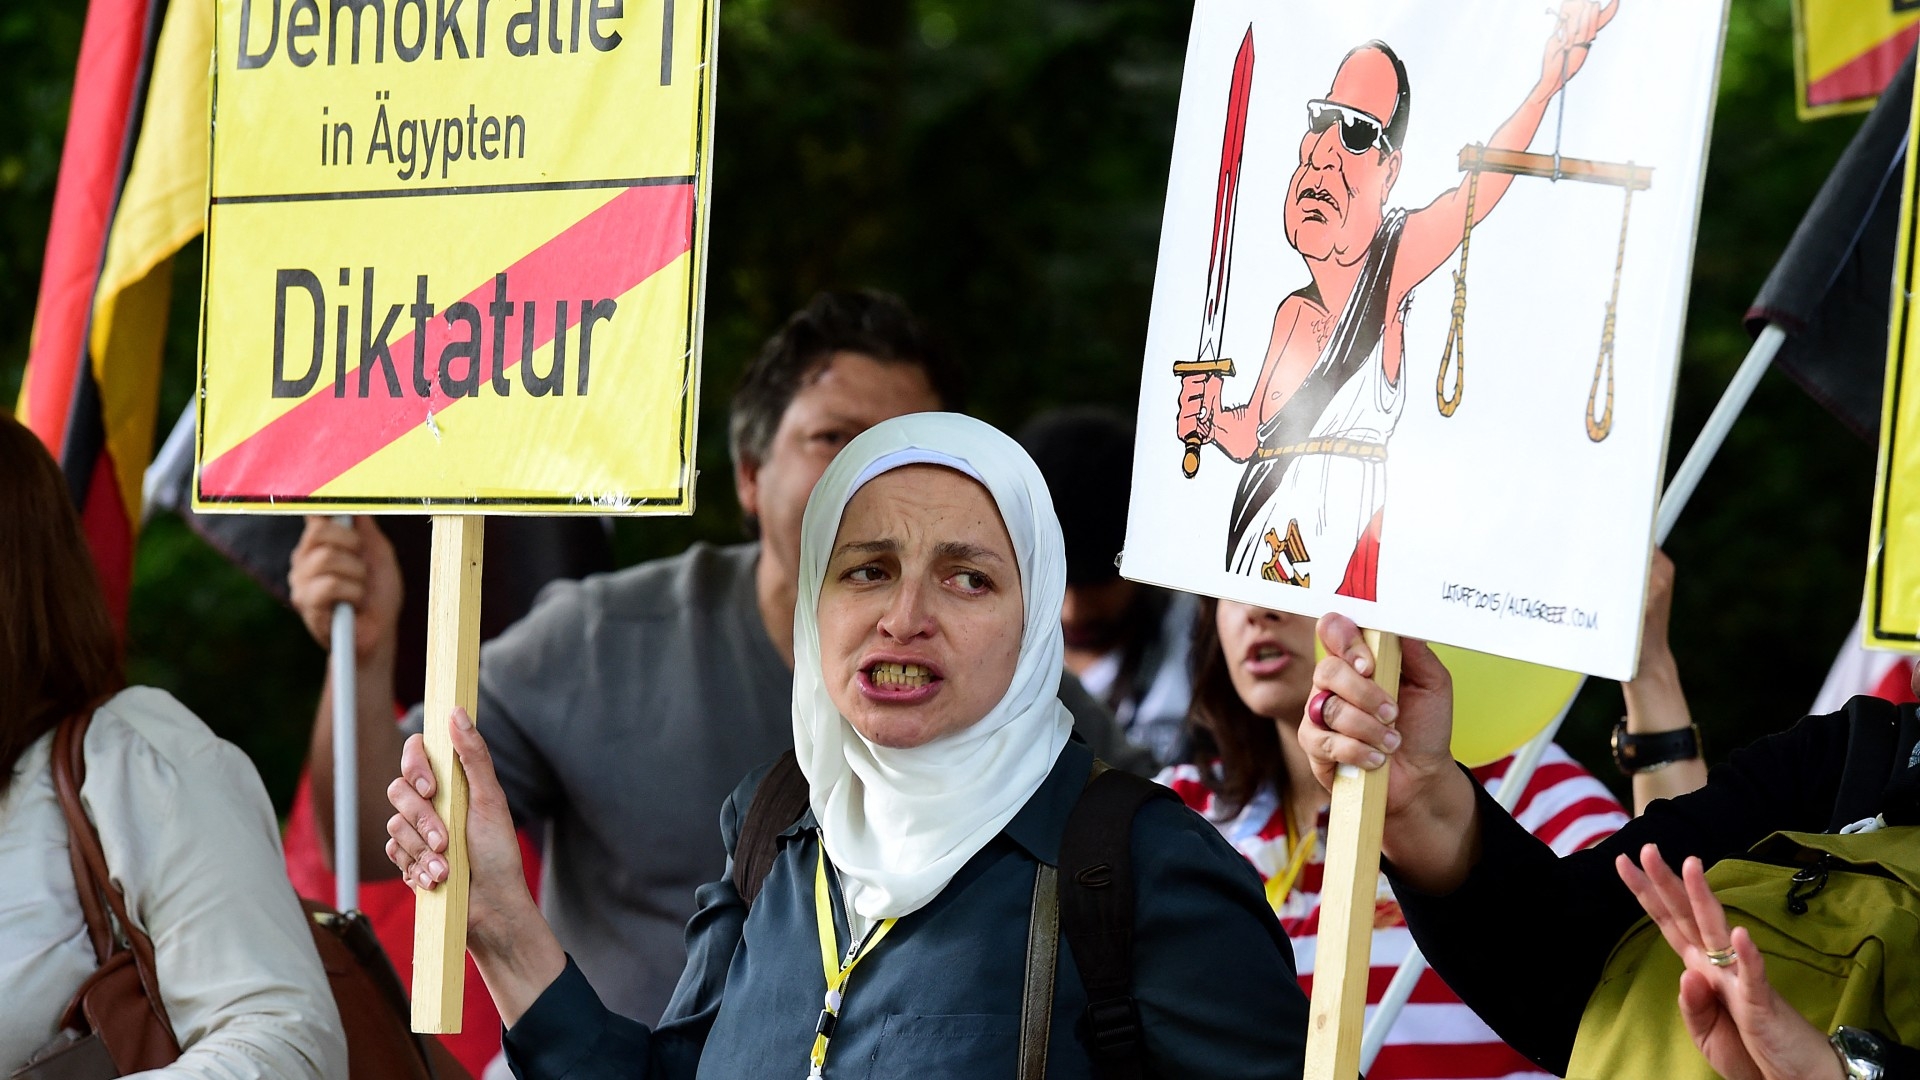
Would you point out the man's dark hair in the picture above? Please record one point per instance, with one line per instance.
(865, 321)
(1403, 99)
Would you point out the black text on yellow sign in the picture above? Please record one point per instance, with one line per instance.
(455, 254)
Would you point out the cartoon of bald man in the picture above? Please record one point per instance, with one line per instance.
(1314, 435)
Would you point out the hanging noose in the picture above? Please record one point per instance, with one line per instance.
(1455, 354)
(1598, 427)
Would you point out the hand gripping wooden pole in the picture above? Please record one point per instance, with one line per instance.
(1335, 1021)
(453, 678)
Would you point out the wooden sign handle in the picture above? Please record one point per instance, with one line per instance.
(1351, 882)
(453, 678)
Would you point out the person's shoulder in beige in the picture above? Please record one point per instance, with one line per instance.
(184, 823)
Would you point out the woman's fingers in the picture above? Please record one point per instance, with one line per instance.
(1421, 667)
(411, 871)
(411, 853)
(1708, 915)
(1350, 688)
(1700, 1005)
(1652, 903)
(1353, 712)
(484, 795)
(1344, 639)
(1328, 747)
(1673, 896)
(1757, 997)
(419, 836)
(414, 767)
(1353, 724)
(414, 825)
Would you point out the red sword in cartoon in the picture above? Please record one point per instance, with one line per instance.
(1226, 200)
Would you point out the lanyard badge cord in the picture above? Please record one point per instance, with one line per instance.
(1280, 886)
(836, 970)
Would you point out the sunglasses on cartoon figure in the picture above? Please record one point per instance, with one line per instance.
(1359, 131)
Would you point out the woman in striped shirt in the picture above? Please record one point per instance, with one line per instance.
(1253, 672)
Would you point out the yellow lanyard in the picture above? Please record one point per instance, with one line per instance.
(1280, 886)
(836, 970)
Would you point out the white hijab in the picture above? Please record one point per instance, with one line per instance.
(899, 824)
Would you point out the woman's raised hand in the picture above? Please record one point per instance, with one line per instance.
(1741, 1024)
(1431, 835)
(517, 954)
(1358, 723)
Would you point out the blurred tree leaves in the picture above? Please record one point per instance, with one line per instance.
(39, 40)
(1002, 166)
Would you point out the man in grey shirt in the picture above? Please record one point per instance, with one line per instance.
(624, 708)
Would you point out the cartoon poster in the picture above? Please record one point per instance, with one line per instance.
(1417, 318)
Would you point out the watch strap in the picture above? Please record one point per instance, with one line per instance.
(1638, 753)
(1863, 1054)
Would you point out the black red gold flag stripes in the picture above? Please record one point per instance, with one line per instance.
(131, 191)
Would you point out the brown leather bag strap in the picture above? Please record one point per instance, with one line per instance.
(90, 875)
(72, 731)
(1043, 958)
(777, 803)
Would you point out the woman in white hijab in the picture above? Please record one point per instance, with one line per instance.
(939, 772)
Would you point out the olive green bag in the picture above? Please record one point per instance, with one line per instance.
(1838, 919)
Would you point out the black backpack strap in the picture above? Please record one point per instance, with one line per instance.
(1096, 914)
(1873, 736)
(777, 803)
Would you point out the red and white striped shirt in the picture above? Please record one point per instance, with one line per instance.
(1437, 1037)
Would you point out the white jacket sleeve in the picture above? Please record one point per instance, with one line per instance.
(190, 837)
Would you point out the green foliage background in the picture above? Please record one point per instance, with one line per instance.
(1002, 166)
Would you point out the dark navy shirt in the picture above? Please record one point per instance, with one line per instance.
(940, 996)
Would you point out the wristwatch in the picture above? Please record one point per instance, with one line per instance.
(1646, 753)
(1863, 1054)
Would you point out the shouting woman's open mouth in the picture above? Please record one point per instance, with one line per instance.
(899, 680)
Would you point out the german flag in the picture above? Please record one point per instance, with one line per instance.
(131, 192)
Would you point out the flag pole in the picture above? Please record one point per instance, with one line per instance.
(346, 758)
(1686, 478)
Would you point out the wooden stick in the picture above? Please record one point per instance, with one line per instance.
(1525, 163)
(1348, 889)
(453, 678)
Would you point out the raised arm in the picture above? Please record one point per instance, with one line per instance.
(333, 565)
(512, 945)
(1433, 232)
(557, 1026)
(1656, 704)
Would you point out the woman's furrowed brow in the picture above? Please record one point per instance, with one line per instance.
(866, 547)
(950, 551)
(959, 551)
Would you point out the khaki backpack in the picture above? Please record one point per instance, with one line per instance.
(1836, 916)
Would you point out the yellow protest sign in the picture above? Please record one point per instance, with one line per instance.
(1893, 554)
(455, 255)
(1846, 51)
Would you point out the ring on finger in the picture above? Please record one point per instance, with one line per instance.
(1317, 708)
(1721, 957)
